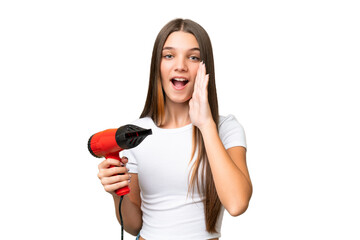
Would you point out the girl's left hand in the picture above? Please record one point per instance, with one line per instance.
(200, 113)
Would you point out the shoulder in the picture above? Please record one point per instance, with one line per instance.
(229, 121)
(231, 132)
(145, 122)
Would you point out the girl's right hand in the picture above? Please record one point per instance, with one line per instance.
(109, 176)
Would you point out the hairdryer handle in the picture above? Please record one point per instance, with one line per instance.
(125, 190)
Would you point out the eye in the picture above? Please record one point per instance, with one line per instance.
(194, 58)
(168, 56)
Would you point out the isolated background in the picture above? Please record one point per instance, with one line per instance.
(288, 70)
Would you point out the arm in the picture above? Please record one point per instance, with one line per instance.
(228, 167)
(229, 170)
(130, 208)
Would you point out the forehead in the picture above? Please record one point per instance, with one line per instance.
(181, 40)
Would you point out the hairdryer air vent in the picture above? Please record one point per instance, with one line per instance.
(130, 136)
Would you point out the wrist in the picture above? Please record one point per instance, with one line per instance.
(208, 125)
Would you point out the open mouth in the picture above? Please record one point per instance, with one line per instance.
(179, 83)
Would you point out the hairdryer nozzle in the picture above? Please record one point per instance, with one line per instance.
(140, 133)
(130, 136)
(90, 149)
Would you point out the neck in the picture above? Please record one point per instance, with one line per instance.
(176, 115)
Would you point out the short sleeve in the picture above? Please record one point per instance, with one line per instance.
(231, 132)
(132, 163)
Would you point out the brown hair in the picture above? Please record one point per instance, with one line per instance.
(155, 108)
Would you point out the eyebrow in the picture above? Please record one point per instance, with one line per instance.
(171, 48)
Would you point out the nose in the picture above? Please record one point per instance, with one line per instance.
(181, 65)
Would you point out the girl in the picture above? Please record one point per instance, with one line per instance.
(194, 165)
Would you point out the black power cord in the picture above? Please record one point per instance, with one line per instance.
(121, 219)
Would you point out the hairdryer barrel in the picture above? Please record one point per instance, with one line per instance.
(110, 142)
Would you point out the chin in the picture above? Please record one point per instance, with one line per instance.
(179, 100)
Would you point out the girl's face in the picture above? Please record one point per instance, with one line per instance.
(179, 64)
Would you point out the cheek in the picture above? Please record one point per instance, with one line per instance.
(164, 68)
(194, 70)
(191, 88)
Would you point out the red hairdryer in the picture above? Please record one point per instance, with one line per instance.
(109, 143)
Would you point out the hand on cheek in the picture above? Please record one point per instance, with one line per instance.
(200, 113)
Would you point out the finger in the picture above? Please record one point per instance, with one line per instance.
(199, 78)
(206, 83)
(115, 179)
(203, 74)
(108, 172)
(203, 69)
(116, 170)
(109, 162)
(124, 160)
(116, 186)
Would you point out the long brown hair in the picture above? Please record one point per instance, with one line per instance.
(155, 108)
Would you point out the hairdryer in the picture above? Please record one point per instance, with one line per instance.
(110, 142)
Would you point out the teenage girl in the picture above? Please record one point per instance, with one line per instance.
(193, 166)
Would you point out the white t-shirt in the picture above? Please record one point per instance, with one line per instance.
(162, 162)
